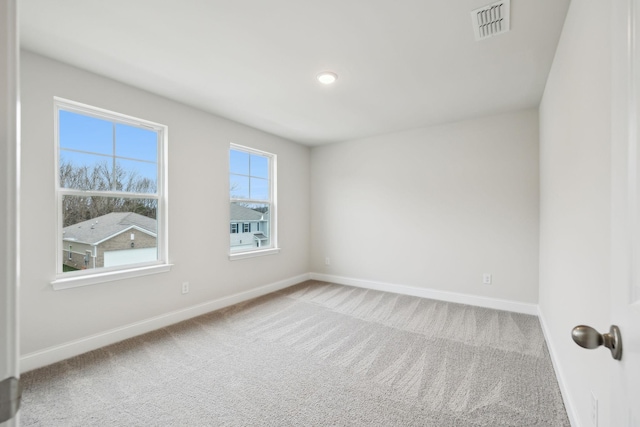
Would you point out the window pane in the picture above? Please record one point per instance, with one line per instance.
(76, 209)
(259, 189)
(256, 230)
(82, 171)
(107, 232)
(250, 178)
(136, 177)
(238, 162)
(136, 143)
(80, 132)
(239, 186)
(259, 166)
(111, 156)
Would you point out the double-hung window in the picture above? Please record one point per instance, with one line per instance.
(111, 195)
(252, 195)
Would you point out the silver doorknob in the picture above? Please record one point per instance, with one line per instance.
(587, 337)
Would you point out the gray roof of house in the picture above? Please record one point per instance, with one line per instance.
(98, 229)
(241, 213)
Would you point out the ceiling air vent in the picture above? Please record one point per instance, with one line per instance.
(491, 20)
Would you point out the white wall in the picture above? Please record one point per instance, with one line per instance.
(432, 208)
(575, 203)
(198, 212)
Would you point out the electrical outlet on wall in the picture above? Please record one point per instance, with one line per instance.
(327, 261)
(185, 288)
(486, 278)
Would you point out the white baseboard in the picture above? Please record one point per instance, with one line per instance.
(573, 419)
(498, 304)
(73, 348)
(64, 351)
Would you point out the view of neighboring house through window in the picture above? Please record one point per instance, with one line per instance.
(110, 188)
(252, 196)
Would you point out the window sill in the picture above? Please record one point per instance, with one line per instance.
(108, 276)
(253, 254)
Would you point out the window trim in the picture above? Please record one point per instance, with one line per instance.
(64, 280)
(273, 215)
(108, 276)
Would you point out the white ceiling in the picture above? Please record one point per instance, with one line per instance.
(402, 64)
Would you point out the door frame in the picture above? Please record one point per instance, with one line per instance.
(9, 194)
(625, 207)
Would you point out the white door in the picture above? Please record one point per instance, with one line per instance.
(9, 248)
(625, 278)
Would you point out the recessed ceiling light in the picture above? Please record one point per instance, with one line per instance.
(327, 77)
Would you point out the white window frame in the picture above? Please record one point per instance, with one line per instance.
(93, 276)
(273, 191)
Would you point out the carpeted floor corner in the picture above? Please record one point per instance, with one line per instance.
(316, 354)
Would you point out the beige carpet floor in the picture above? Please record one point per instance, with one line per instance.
(316, 354)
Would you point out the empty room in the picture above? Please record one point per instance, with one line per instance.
(287, 213)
